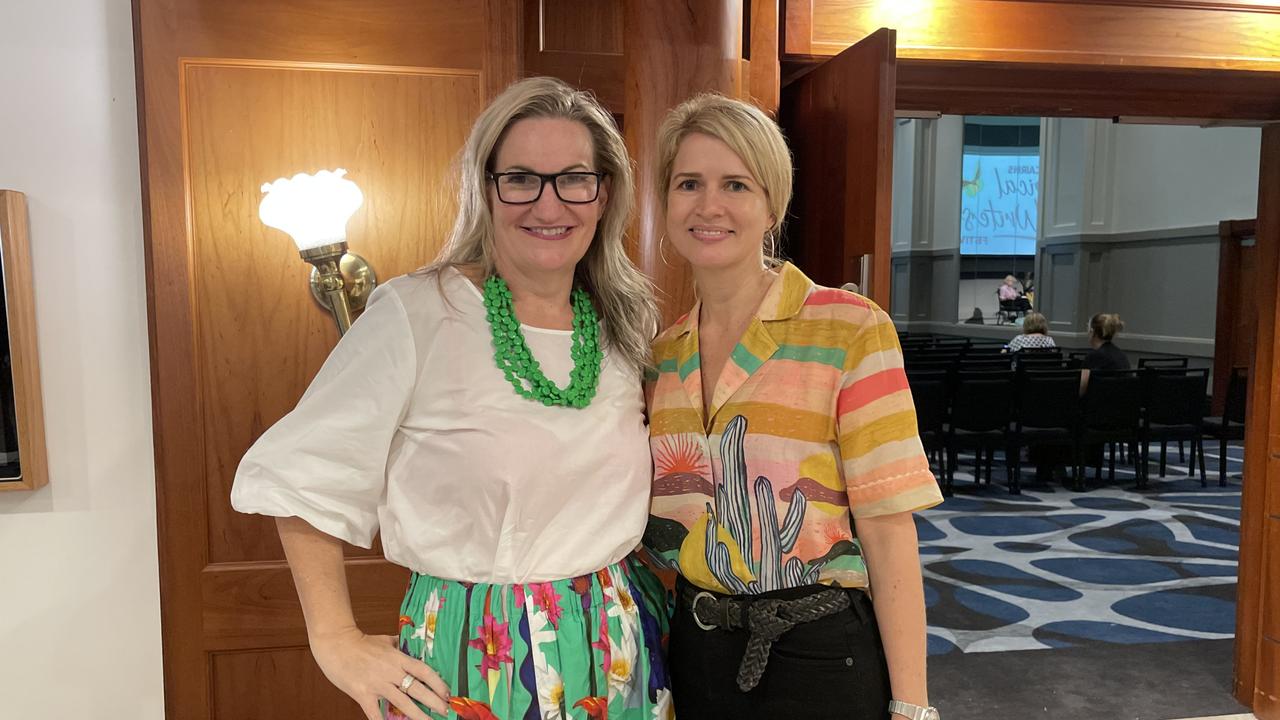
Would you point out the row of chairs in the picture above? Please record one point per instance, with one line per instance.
(1038, 407)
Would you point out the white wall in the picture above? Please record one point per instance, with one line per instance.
(1100, 177)
(1216, 172)
(80, 615)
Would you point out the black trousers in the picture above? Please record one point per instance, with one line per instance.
(832, 668)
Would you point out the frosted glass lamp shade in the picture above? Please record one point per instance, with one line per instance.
(312, 209)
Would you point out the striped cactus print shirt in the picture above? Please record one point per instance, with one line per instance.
(811, 426)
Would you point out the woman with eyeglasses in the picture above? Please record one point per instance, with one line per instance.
(787, 459)
(485, 414)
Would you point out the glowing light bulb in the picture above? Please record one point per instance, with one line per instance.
(312, 209)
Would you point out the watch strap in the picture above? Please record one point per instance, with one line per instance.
(915, 712)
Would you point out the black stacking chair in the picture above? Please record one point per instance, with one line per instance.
(1047, 414)
(976, 352)
(930, 390)
(1110, 412)
(981, 414)
(1172, 363)
(1168, 363)
(985, 364)
(1173, 409)
(1022, 362)
(1231, 425)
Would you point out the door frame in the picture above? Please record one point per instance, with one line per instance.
(1226, 97)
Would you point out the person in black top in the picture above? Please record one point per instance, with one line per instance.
(1103, 328)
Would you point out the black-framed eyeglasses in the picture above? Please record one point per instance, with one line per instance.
(524, 188)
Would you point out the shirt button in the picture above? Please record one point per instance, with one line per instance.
(848, 661)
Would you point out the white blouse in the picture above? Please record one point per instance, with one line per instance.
(409, 427)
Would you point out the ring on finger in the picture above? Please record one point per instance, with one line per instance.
(406, 683)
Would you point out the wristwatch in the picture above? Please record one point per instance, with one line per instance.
(915, 712)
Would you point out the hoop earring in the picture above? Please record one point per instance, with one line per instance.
(770, 245)
(662, 251)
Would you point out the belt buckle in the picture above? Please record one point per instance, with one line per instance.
(697, 620)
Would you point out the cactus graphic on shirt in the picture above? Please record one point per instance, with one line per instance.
(732, 512)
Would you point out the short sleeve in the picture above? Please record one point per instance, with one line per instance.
(885, 467)
(325, 462)
(1095, 360)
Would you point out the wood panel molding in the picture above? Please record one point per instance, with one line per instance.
(20, 309)
(580, 43)
(1070, 33)
(255, 605)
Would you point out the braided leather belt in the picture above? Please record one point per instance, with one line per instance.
(766, 620)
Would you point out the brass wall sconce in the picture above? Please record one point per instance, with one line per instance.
(314, 210)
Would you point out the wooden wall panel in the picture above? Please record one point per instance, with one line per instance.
(232, 94)
(255, 605)
(1154, 34)
(671, 57)
(246, 125)
(578, 41)
(247, 685)
(766, 69)
(435, 33)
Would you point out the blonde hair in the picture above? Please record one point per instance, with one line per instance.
(749, 133)
(621, 293)
(1105, 326)
(1034, 322)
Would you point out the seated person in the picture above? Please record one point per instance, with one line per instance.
(1035, 335)
(1103, 328)
(1011, 296)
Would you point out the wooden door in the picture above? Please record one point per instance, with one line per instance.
(232, 94)
(839, 121)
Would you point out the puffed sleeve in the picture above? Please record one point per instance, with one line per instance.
(885, 468)
(325, 462)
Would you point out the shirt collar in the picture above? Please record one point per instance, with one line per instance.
(783, 300)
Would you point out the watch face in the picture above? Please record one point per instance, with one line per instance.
(931, 714)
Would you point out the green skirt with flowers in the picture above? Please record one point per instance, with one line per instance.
(582, 648)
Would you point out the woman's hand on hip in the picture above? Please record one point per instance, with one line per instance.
(371, 667)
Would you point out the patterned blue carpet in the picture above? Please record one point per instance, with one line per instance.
(1055, 568)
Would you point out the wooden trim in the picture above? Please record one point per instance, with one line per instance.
(19, 304)
(1230, 257)
(175, 401)
(1257, 676)
(1228, 5)
(504, 45)
(765, 87)
(997, 88)
(1212, 34)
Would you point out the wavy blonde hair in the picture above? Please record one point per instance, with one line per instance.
(751, 134)
(622, 294)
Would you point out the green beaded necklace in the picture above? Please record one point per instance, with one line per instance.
(519, 365)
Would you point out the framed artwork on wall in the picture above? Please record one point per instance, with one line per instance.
(23, 461)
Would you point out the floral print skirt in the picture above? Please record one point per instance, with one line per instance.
(583, 648)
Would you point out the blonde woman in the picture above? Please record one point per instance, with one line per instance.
(1103, 354)
(486, 416)
(1035, 335)
(787, 463)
